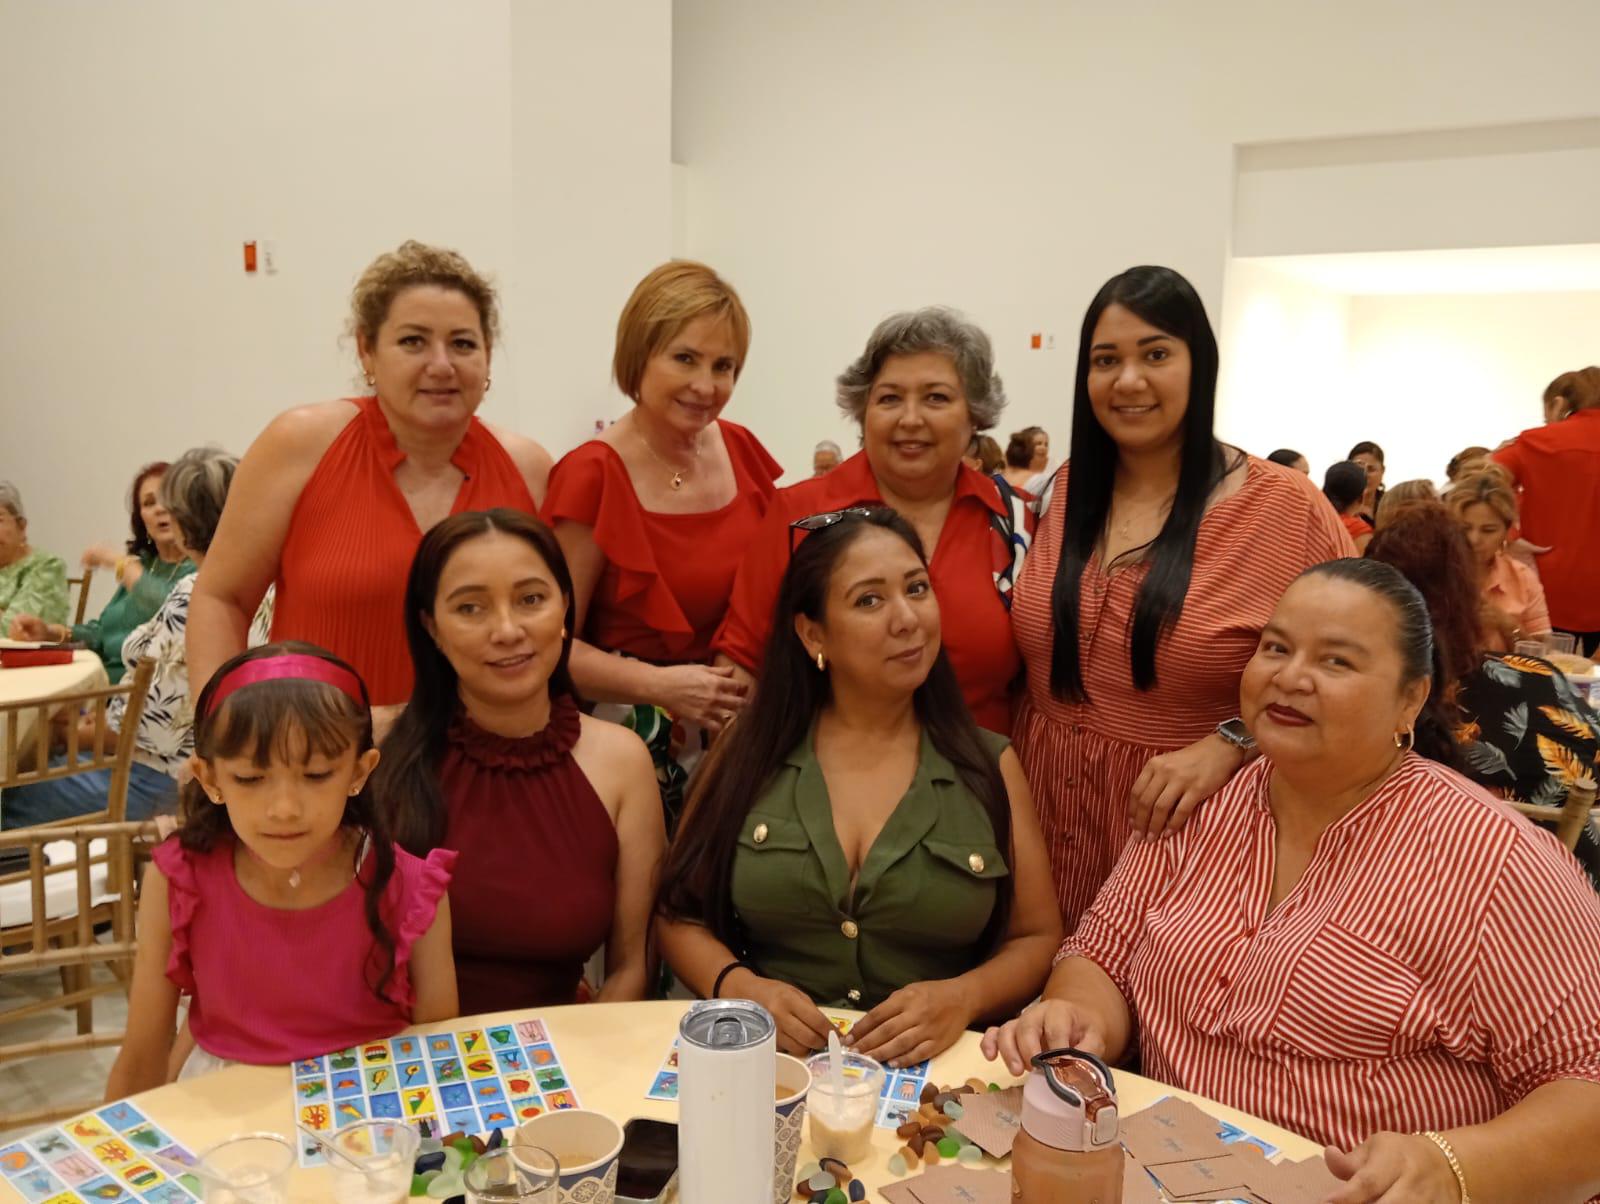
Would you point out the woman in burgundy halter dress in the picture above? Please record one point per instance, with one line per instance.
(554, 815)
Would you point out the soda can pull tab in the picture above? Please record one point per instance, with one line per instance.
(1083, 1081)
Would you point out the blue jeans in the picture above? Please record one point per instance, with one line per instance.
(84, 793)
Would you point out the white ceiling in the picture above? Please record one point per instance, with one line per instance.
(1481, 270)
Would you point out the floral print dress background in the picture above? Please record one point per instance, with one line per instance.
(107, 1156)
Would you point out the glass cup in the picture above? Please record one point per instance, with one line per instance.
(383, 1152)
(252, 1168)
(530, 1176)
(1533, 647)
(842, 1118)
(1560, 641)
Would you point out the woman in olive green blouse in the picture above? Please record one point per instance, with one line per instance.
(855, 840)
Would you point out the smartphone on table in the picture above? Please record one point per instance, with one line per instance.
(648, 1163)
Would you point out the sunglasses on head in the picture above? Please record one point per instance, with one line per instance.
(817, 522)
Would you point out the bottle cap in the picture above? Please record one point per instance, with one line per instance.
(1070, 1101)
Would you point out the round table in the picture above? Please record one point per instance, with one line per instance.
(611, 1053)
(44, 681)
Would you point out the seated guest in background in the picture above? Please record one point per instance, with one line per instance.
(1290, 458)
(1557, 469)
(32, 581)
(333, 498)
(855, 840)
(1304, 951)
(193, 490)
(1525, 732)
(1370, 456)
(825, 458)
(1159, 557)
(924, 385)
(1343, 485)
(1513, 600)
(1418, 490)
(1027, 454)
(654, 516)
(1467, 460)
(984, 455)
(154, 562)
(493, 759)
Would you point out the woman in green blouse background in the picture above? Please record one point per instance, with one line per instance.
(32, 581)
(145, 575)
(854, 840)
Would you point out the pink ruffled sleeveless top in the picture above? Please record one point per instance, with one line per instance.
(273, 986)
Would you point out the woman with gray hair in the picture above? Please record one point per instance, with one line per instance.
(193, 492)
(32, 581)
(924, 385)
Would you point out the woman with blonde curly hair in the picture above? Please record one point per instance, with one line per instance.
(1513, 604)
(332, 498)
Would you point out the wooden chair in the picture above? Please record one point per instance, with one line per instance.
(82, 585)
(77, 878)
(1573, 814)
(24, 766)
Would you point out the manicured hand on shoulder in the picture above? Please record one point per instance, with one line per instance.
(709, 695)
(1172, 785)
(915, 1023)
(1393, 1167)
(1048, 1024)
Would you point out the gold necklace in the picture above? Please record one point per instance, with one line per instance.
(677, 473)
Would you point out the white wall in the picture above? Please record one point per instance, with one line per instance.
(1428, 376)
(848, 159)
(142, 143)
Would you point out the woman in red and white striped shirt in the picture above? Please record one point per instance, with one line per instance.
(1350, 939)
(1159, 557)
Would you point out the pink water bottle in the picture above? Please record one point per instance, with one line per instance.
(1067, 1150)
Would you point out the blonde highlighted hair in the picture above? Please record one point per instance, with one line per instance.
(1491, 488)
(662, 304)
(409, 265)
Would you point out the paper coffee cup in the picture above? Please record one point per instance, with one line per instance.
(789, 1115)
(586, 1144)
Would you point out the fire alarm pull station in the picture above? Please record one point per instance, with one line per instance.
(250, 255)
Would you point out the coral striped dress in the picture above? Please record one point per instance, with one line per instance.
(1438, 960)
(1082, 758)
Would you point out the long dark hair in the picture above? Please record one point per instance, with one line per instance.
(1168, 302)
(267, 721)
(142, 544)
(1419, 653)
(407, 778)
(789, 693)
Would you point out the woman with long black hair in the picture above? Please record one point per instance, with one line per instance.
(855, 840)
(1156, 564)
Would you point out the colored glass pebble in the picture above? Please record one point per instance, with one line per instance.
(430, 1162)
(858, 1190)
(897, 1165)
(949, 1147)
(954, 1110)
(446, 1186)
(820, 1181)
(970, 1154)
(452, 1161)
(806, 1171)
(836, 1196)
(496, 1140)
(419, 1184)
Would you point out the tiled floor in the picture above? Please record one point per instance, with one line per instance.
(65, 1078)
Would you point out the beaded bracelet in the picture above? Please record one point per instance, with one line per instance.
(1449, 1153)
(716, 990)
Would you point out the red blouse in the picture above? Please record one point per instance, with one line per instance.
(977, 626)
(342, 572)
(535, 882)
(1438, 960)
(1355, 525)
(667, 577)
(1557, 468)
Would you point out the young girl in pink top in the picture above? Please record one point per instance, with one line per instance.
(281, 906)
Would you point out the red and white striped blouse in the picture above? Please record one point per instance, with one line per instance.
(1439, 959)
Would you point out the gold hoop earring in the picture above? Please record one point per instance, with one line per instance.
(1410, 741)
(822, 663)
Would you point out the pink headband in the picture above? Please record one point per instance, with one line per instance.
(292, 666)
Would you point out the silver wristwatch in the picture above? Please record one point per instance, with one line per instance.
(1237, 734)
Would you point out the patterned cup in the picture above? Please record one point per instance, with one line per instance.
(789, 1114)
(587, 1144)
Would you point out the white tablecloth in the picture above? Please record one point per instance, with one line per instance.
(44, 681)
